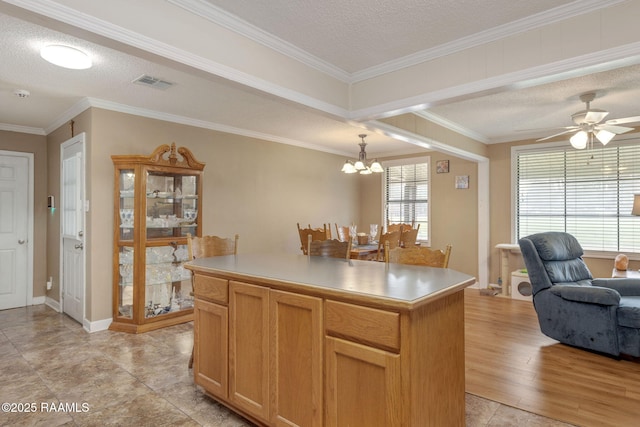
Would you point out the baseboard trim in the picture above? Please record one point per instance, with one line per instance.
(52, 303)
(97, 326)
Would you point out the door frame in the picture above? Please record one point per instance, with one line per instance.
(81, 139)
(30, 220)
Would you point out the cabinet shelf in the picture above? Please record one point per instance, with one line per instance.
(157, 204)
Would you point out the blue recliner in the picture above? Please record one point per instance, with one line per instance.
(601, 315)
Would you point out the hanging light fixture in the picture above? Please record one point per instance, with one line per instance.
(361, 165)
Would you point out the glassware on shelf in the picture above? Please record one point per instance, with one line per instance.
(126, 217)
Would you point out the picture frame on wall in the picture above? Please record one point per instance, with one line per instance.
(442, 166)
(462, 182)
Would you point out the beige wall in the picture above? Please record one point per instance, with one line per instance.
(255, 188)
(26, 143)
(454, 213)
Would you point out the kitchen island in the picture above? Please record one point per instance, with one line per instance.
(287, 339)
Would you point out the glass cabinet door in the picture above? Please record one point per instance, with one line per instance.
(167, 283)
(127, 181)
(172, 205)
(125, 288)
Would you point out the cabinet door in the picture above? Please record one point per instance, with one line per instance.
(249, 348)
(296, 359)
(362, 385)
(210, 364)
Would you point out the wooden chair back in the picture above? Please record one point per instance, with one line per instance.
(208, 246)
(315, 233)
(417, 255)
(342, 232)
(329, 248)
(409, 236)
(388, 239)
(399, 227)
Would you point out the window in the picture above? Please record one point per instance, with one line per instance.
(406, 194)
(587, 193)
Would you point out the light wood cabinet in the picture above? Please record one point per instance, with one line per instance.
(296, 359)
(305, 349)
(211, 365)
(263, 354)
(363, 385)
(157, 202)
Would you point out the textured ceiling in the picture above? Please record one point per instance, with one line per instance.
(350, 36)
(357, 34)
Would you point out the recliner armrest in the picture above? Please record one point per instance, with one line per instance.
(587, 294)
(626, 287)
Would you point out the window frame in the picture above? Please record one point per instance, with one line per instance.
(563, 146)
(406, 162)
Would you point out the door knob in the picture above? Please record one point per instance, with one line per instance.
(21, 241)
(79, 246)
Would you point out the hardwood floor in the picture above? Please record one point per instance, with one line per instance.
(508, 360)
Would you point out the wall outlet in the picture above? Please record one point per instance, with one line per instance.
(50, 283)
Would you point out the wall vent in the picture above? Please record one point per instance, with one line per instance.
(146, 80)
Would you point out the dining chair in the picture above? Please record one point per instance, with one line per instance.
(315, 233)
(342, 232)
(408, 237)
(390, 239)
(329, 248)
(417, 255)
(399, 227)
(209, 246)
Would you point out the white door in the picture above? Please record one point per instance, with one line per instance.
(72, 217)
(15, 220)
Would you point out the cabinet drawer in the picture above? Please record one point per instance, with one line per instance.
(211, 288)
(363, 324)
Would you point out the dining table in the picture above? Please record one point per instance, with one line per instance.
(365, 252)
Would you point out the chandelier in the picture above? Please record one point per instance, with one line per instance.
(361, 164)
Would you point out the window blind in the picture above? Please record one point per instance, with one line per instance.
(587, 193)
(407, 196)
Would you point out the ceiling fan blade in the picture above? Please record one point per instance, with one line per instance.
(595, 116)
(622, 120)
(614, 129)
(558, 134)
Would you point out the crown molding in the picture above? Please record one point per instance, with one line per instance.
(424, 142)
(227, 20)
(103, 28)
(529, 23)
(448, 124)
(609, 59)
(69, 114)
(22, 129)
(86, 103)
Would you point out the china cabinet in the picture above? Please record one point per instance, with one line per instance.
(158, 201)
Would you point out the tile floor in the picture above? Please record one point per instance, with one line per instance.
(74, 378)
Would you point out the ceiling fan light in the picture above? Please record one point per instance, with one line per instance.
(348, 167)
(579, 140)
(604, 136)
(66, 57)
(376, 166)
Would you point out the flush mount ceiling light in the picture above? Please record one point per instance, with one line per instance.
(361, 164)
(66, 56)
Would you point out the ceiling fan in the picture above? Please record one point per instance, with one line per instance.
(588, 124)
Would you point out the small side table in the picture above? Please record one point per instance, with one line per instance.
(630, 274)
(505, 249)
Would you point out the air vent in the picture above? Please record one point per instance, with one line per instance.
(154, 82)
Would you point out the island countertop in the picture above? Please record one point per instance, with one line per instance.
(387, 285)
